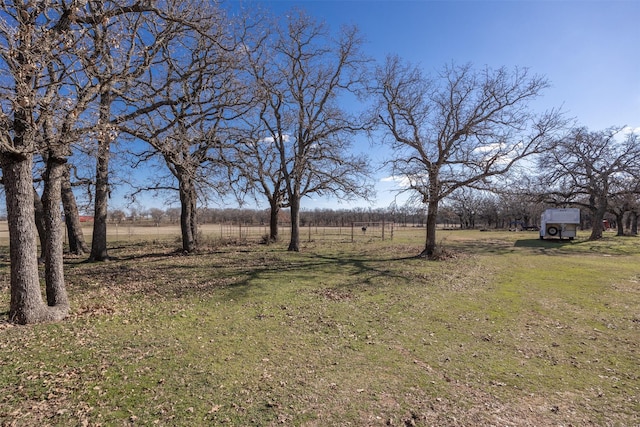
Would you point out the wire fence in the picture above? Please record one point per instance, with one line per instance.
(171, 233)
(354, 232)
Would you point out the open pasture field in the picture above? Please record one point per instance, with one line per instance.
(507, 330)
(128, 233)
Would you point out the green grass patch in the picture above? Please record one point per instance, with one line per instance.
(509, 330)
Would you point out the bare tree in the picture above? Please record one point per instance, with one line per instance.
(466, 205)
(252, 159)
(520, 199)
(156, 215)
(118, 41)
(309, 132)
(196, 94)
(458, 129)
(117, 52)
(590, 169)
(42, 49)
(625, 198)
(253, 165)
(30, 39)
(117, 216)
(68, 97)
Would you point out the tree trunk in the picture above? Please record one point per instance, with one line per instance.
(634, 222)
(40, 224)
(188, 216)
(294, 203)
(99, 239)
(77, 245)
(16, 160)
(273, 220)
(430, 245)
(27, 305)
(54, 247)
(620, 224)
(627, 222)
(598, 216)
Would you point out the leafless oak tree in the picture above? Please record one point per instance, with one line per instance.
(46, 86)
(196, 92)
(309, 132)
(31, 36)
(121, 39)
(590, 169)
(252, 159)
(459, 128)
(253, 165)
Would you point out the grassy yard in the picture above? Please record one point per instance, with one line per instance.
(508, 330)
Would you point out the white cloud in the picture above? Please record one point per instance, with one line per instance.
(400, 181)
(270, 139)
(489, 147)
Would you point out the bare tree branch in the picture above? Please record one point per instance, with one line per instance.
(459, 129)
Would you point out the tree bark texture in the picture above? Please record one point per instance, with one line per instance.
(77, 244)
(40, 223)
(620, 223)
(54, 243)
(430, 243)
(26, 305)
(294, 244)
(598, 211)
(273, 220)
(188, 215)
(99, 239)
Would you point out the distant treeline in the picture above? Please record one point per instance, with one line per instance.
(318, 217)
(476, 216)
(403, 216)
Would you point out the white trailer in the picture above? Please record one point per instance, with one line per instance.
(559, 223)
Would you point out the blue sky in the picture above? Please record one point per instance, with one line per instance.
(589, 50)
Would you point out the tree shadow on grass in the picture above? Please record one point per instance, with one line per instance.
(544, 244)
(479, 246)
(236, 274)
(315, 269)
(506, 246)
(241, 273)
